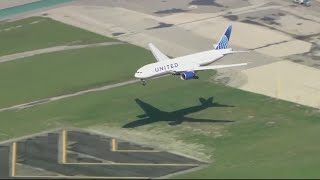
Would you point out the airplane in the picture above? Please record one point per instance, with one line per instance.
(187, 66)
(152, 114)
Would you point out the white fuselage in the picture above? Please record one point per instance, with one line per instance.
(185, 62)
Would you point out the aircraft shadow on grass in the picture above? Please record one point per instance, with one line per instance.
(177, 117)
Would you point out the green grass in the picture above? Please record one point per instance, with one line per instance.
(63, 72)
(269, 138)
(45, 33)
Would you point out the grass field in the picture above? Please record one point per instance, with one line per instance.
(63, 72)
(269, 138)
(39, 32)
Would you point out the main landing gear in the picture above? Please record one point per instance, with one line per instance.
(143, 82)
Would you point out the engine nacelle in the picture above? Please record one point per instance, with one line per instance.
(187, 75)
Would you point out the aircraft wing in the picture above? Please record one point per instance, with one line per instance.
(147, 108)
(140, 122)
(202, 68)
(187, 119)
(157, 53)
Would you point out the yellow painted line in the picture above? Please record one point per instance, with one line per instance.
(114, 144)
(82, 177)
(14, 159)
(64, 146)
(133, 164)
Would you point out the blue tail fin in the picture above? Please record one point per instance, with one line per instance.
(224, 41)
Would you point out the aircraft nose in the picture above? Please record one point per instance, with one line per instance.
(137, 75)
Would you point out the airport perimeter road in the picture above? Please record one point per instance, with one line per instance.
(43, 101)
(20, 56)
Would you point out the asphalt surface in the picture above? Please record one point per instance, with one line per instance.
(130, 146)
(311, 58)
(4, 162)
(88, 154)
(169, 7)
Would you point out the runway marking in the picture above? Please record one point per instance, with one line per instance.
(114, 144)
(13, 159)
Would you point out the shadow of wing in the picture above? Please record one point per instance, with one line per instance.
(147, 108)
(138, 123)
(186, 119)
(221, 105)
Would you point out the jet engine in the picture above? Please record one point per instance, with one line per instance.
(188, 75)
